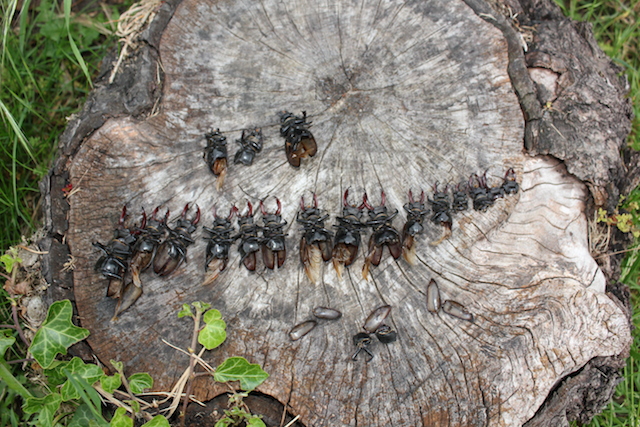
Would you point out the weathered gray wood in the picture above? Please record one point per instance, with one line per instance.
(401, 95)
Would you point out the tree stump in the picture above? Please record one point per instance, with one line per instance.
(401, 95)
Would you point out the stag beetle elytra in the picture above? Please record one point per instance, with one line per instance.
(173, 251)
(315, 243)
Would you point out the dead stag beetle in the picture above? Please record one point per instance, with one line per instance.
(173, 251)
(299, 142)
(274, 251)
(249, 240)
(215, 154)
(383, 234)
(250, 144)
(316, 240)
(509, 185)
(460, 199)
(348, 234)
(441, 207)
(416, 211)
(114, 262)
(152, 231)
(480, 193)
(219, 243)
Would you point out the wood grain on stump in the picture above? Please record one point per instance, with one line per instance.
(401, 95)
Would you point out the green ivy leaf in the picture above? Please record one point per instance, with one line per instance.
(186, 311)
(157, 421)
(214, 333)
(201, 306)
(82, 417)
(54, 374)
(224, 422)
(255, 422)
(56, 334)
(111, 383)
(250, 375)
(120, 419)
(118, 366)
(139, 382)
(5, 343)
(89, 372)
(10, 259)
(135, 405)
(88, 395)
(45, 407)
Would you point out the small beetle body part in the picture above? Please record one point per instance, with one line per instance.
(460, 200)
(362, 340)
(115, 288)
(274, 251)
(299, 142)
(249, 239)
(480, 193)
(348, 235)
(215, 154)
(386, 334)
(173, 251)
(416, 211)
(455, 309)
(218, 246)
(152, 232)
(250, 144)
(376, 318)
(130, 295)
(302, 329)
(509, 185)
(383, 234)
(326, 313)
(433, 297)
(315, 243)
(114, 262)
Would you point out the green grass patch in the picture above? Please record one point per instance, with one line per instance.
(49, 56)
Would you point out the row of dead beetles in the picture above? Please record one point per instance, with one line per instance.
(154, 243)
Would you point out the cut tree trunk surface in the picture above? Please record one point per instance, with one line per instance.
(401, 96)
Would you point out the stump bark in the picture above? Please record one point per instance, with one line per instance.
(401, 95)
